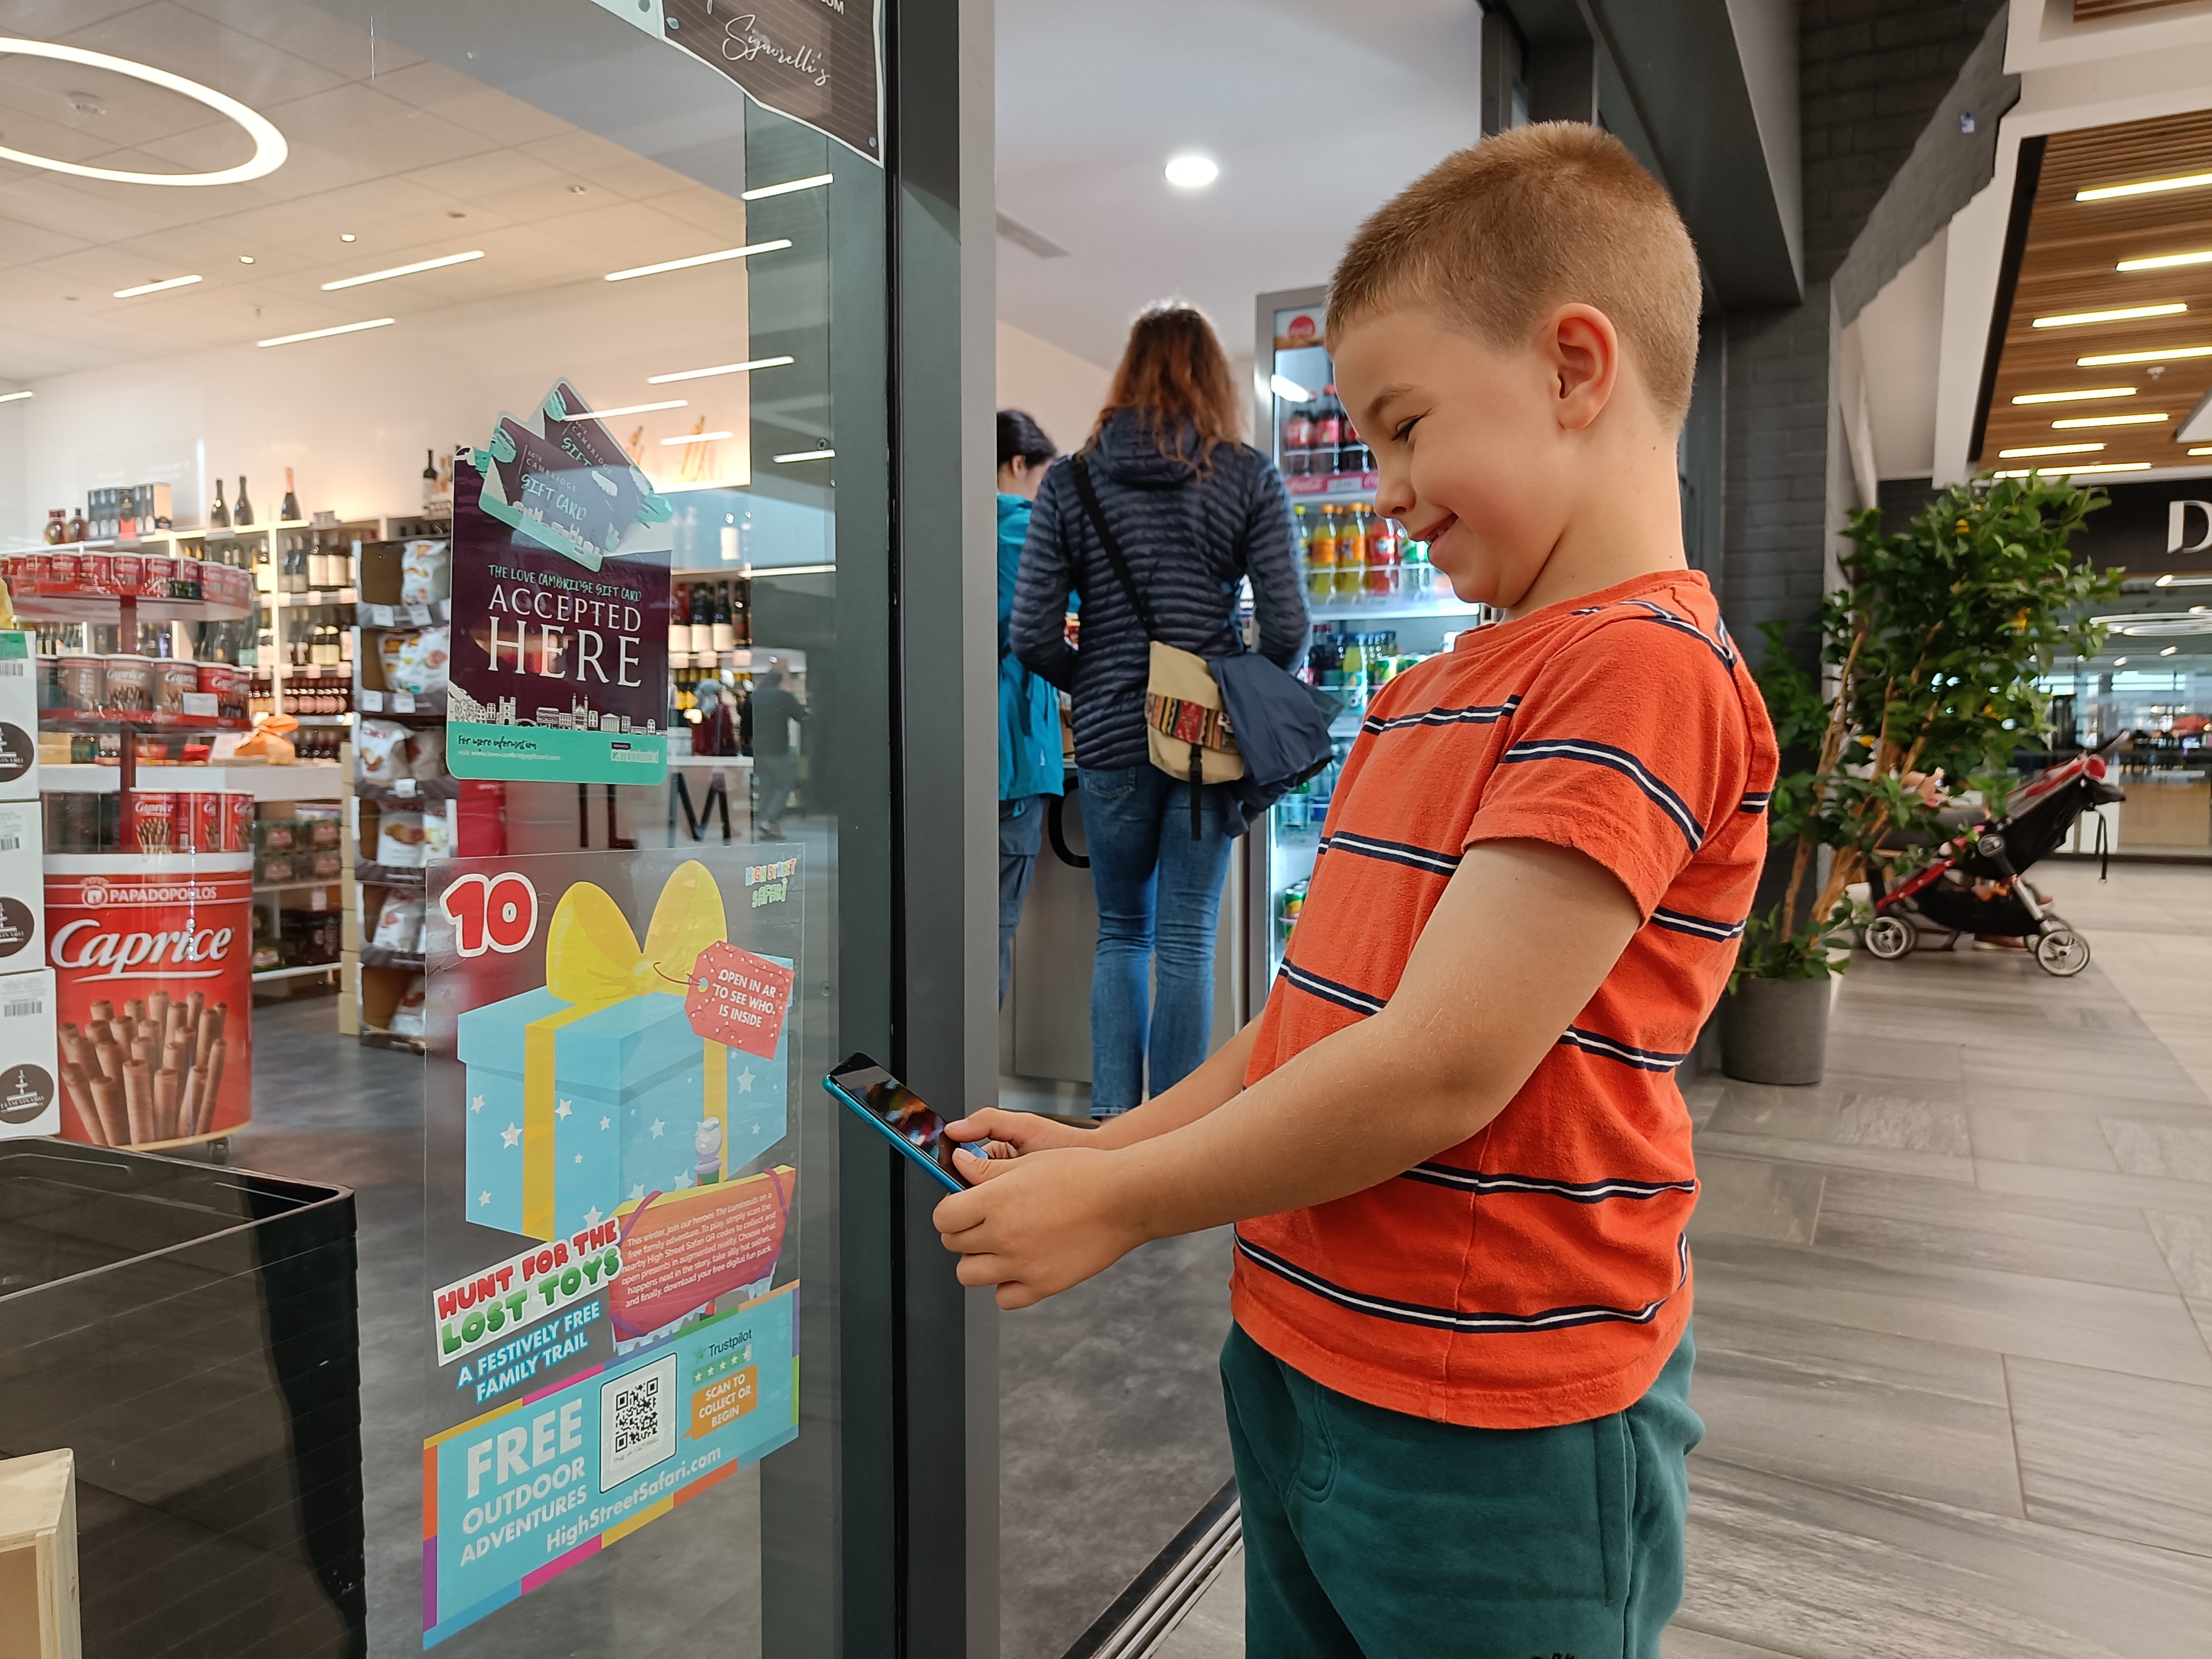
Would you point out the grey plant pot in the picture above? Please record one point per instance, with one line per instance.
(1774, 1030)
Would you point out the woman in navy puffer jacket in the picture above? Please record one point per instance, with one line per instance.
(1196, 512)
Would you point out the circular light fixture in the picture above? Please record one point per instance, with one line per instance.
(345, 236)
(269, 147)
(1191, 171)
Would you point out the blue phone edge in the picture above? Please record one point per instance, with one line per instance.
(904, 1145)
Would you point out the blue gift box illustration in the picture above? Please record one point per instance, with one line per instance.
(594, 1091)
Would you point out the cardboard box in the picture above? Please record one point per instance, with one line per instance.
(19, 715)
(22, 887)
(30, 1077)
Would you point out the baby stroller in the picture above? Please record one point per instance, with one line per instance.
(1974, 885)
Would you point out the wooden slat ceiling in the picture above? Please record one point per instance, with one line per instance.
(2069, 265)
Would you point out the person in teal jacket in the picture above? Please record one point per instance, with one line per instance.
(1030, 766)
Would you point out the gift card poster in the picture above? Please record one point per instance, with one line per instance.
(559, 601)
(610, 1303)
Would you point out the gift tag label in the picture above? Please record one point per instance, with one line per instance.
(738, 999)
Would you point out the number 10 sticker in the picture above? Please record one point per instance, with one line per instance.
(491, 913)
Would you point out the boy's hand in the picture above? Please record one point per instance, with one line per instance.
(1016, 1132)
(1036, 1224)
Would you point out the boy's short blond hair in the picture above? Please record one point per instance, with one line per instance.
(1542, 215)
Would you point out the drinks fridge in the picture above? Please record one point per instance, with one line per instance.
(1377, 608)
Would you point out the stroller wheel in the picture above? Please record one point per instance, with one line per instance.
(1888, 938)
(2062, 953)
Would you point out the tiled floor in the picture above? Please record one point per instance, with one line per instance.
(1953, 1309)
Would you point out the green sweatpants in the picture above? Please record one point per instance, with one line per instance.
(1372, 1534)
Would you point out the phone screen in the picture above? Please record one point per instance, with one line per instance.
(899, 1109)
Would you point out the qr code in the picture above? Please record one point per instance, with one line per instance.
(637, 1421)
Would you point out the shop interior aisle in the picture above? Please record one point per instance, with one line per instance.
(1954, 1313)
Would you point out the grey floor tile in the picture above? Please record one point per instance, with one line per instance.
(1845, 1115)
(2104, 1099)
(1214, 1629)
(2122, 1457)
(1757, 1198)
(2187, 1242)
(1940, 1221)
(2071, 1141)
(2073, 1069)
(1855, 1408)
(1841, 1155)
(2094, 1187)
(1682, 1642)
(1111, 1432)
(2200, 1309)
(1821, 1574)
(2171, 1151)
(2145, 1332)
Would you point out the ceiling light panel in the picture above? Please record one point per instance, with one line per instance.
(326, 333)
(2047, 449)
(628, 409)
(2144, 187)
(162, 287)
(269, 149)
(719, 368)
(694, 438)
(787, 187)
(2079, 421)
(2169, 355)
(2063, 470)
(404, 270)
(2166, 261)
(2075, 397)
(746, 252)
(2119, 314)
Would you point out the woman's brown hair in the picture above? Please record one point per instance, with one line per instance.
(1175, 371)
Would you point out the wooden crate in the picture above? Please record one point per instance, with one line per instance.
(38, 1557)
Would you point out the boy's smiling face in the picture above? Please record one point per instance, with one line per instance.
(1483, 451)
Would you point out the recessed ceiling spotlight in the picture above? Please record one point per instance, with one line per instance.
(2075, 397)
(1191, 171)
(269, 147)
(2169, 650)
(2120, 314)
(575, 190)
(245, 259)
(455, 213)
(2119, 662)
(348, 236)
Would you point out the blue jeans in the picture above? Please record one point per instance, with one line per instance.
(1159, 904)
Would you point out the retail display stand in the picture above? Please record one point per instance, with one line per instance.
(38, 1556)
(384, 982)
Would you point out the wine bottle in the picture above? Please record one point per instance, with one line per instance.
(218, 515)
(724, 632)
(429, 479)
(290, 510)
(741, 614)
(679, 627)
(242, 509)
(702, 622)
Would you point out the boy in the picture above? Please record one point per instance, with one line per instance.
(1452, 1144)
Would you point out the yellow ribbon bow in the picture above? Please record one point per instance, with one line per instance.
(592, 957)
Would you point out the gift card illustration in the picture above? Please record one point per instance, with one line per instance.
(603, 1087)
(563, 480)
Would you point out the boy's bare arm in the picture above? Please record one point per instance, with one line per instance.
(1523, 938)
(1211, 1084)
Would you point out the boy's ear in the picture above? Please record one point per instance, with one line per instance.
(1584, 349)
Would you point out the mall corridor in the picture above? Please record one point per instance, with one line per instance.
(1954, 1311)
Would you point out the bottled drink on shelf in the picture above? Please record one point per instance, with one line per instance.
(1328, 435)
(289, 512)
(1352, 454)
(429, 479)
(1321, 556)
(1383, 538)
(725, 629)
(741, 612)
(241, 510)
(57, 526)
(1351, 553)
(1297, 441)
(702, 622)
(218, 514)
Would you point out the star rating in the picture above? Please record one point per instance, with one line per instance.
(565, 1108)
(655, 1127)
(745, 1081)
(593, 1218)
(484, 1198)
(477, 1104)
(510, 1136)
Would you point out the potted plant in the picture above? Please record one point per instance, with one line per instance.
(1929, 654)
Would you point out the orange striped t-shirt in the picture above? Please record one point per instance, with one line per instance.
(1538, 1272)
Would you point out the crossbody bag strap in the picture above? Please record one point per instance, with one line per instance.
(1114, 555)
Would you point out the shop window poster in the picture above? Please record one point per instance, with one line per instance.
(611, 1321)
(560, 640)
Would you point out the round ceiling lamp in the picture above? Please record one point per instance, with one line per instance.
(1191, 171)
(269, 147)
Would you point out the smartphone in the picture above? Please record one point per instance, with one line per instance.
(899, 1114)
